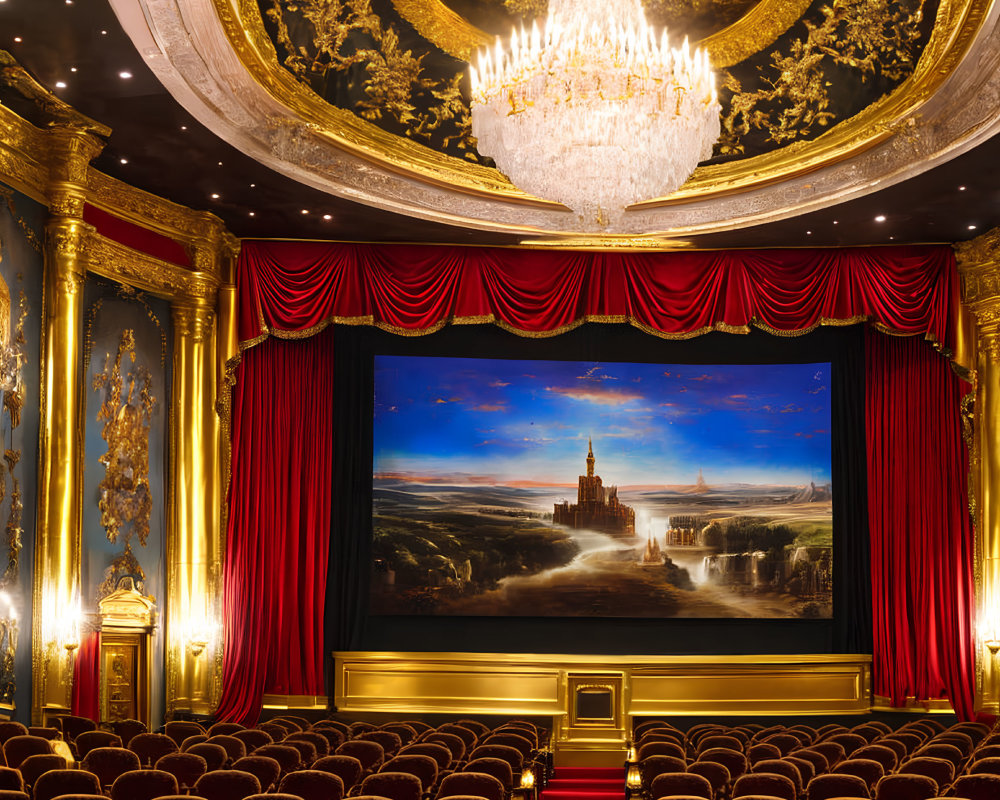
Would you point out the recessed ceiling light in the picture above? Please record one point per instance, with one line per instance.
(328, 217)
(809, 233)
(220, 163)
(104, 33)
(125, 74)
(880, 218)
(891, 238)
(253, 185)
(184, 127)
(253, 213)
(972, 227)
(961, 188)
(305, 210)
(18, 39)
(214, 196)
(72, 69)
(124, 160)
(60, 84)
(836, 222)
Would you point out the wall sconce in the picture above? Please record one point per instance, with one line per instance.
(198, 635)
(633, 780)
(993, 645)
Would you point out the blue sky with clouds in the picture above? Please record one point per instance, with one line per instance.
(652, 424)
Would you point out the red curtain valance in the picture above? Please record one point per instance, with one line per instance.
(293, 289)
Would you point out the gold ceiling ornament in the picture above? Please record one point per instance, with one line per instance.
(125, 499)
(594, 109)
(866, 36)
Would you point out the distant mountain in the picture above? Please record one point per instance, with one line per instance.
(812, 494)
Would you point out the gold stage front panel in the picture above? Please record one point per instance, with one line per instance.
(653, 685)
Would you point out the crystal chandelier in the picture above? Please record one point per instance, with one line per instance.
(594, 110)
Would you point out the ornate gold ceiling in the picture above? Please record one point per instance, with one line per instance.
(366, 99)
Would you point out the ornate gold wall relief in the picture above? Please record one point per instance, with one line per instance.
(125, 499)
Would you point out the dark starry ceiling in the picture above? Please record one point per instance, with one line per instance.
(157, 146)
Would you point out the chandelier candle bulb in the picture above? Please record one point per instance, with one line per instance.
(594, 109)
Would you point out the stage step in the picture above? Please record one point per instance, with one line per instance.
(586, 783)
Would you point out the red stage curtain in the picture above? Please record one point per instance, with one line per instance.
(279, 524)
(85, 700)
(297, 287)
(279, 514)
(919, 524)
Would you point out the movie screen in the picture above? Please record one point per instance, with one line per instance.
(567, 488)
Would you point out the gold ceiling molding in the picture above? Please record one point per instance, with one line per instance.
(755, 30)
(957, 23)
(23, 155)
(216, 58)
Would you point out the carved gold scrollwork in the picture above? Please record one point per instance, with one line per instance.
(125, 497)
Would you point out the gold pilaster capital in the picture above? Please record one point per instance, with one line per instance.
(194, 319)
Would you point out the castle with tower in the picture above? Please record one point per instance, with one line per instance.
(597, 508)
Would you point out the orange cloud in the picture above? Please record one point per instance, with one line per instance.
(595, 394)
(490, 407)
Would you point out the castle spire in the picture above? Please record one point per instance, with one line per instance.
(590, 458)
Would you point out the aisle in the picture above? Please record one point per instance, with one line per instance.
(586, 783)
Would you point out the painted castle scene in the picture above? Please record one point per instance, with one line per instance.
(557, 488)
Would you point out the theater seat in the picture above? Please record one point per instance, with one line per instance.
(55, 782)
(826, 787)
(312, 784)
(143, 784)
(765, 783)
(716, 774)
(186, 767)
(227, 784)
(392, 785)
(977, 787)
(688, 783)
(478, 784)
(265, 768)
(906, 787)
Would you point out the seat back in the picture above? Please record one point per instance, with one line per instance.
(127, 728)
(143, 784)
(689, 783)
(652, 766)
(347, 768)
(479, 784)
(65, 781)
(762, 751)
(977, 787)
(496, 767)
(869, 771)
(885, 756)
(778, 766)
(265, 768)
(227, 784)
(735, 762)
(313, 784)
(765, 783)
(150, 747)
(392, 785)
(91, 740)
(179, 730)
(501, 751)
(107, 763)
(253, 738)
(941, 770)
(660, 748)
(823, 787)
(390, 741)
(906, 787)
(186, 767)
(716, 774)
(289, 758)
(18, 748)
(215, 755)
(369, 753)
(33, 766)
(424, 767)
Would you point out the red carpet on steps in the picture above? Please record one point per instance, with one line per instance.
(586, 783)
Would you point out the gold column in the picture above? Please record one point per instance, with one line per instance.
(979, 266)
(194, 546)
(60, 482)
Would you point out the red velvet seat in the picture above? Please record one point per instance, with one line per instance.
(507, 738)
(393, 785)
(720, 740)
(307, 751)
(227, 784)
(390, 741)
(826, 787)
(716, 774)
(150, 747)
(406, 733)
(849, 741)
(496, 767)
(225, 728)
(179, 730)
(186, 767)
(977, 787)
(347, 768)
(107, 763)
(215, 755)
(10, 728)
(343, 727)
(10, 778)
(18, 748)
(833, 751)
(501, 751)
(477, 727)
(906, 787)
(312, 784)
(143, 784)
(14, 794)
(289, 758)
(468, 737)
(660, 748)
(764, 783)
(424, 767)
(885, 756)
(274, 730)
(778, 766)
(940, 770)
(471, 783)
(985, 766)
(319, 742)
(55, 782)
(762, 751)
(36, 765)
(235, 749)
(735, 762)
(334, 737)
(650, 767)
(688, 783)
(265, 768)
(785, 742)
(457, 746)
(440, 753)
(806, 768)
(253, 738)
(125, 729)
(868, 770)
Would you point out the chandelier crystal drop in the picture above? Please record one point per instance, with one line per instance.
(594, 110)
